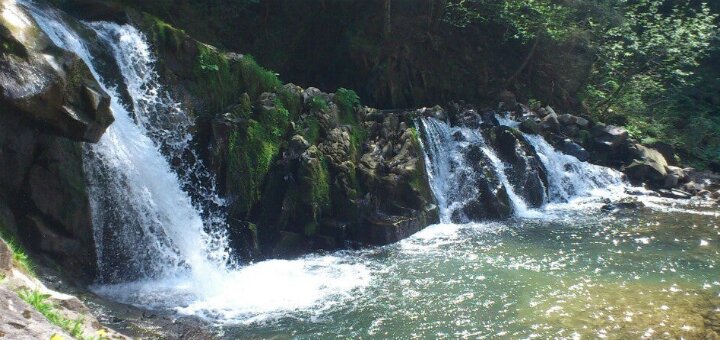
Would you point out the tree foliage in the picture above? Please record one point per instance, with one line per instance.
(646, 56)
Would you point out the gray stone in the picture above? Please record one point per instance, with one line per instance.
(582, 122)
(20, 321)
(49, 85)
(550, 122)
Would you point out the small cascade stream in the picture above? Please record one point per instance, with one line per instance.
(454, 180)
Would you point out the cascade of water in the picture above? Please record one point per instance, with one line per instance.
(137, 200)
(568, 177)
(453, 180)
(165, 122)
(147, 228)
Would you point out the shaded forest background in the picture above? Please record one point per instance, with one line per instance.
(652, 66)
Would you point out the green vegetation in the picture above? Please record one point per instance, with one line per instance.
(419, 181)
(251, 154)
(347, 102)
(647, 55)
(256, 79)
(316, 181)
(40, 302)
(20, 258)
(318, 103)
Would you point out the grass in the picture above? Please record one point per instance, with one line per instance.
(40, 302)
(20, 259)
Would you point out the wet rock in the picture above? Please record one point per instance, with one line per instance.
(489, 119)
(530, 126)
(629, 203)
(674, 193)
(49, 85)
(569, 147)
(436, 112)
(526, 173)
(470, 119)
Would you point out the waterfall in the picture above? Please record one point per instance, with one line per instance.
(454, 178)
(158, 246)
(568, 177)
(145, 225)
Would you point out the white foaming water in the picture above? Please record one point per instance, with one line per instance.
(451, 178)
(568, 177)
(265, 291)
(147, 228)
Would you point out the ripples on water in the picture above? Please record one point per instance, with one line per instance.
(580, 274)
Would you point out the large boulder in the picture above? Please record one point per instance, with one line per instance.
(43, 185)
(567, 146)
(53, 87)
(648, 165)
(484, 194)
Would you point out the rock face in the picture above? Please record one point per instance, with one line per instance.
(335, 175)
(49, 102)
(49, 85)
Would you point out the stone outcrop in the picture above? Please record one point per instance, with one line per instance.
(49, 85)
(49, 103)
(323, 176)
(526, 173)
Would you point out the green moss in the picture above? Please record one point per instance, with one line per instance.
(244, 109)
(347, 102)
(163, 33)
(256, 79)
(291, 101)
(418, 179)
(318, 103)
(251, 154)
(217, 80)
(315, 189)
(310, 129)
